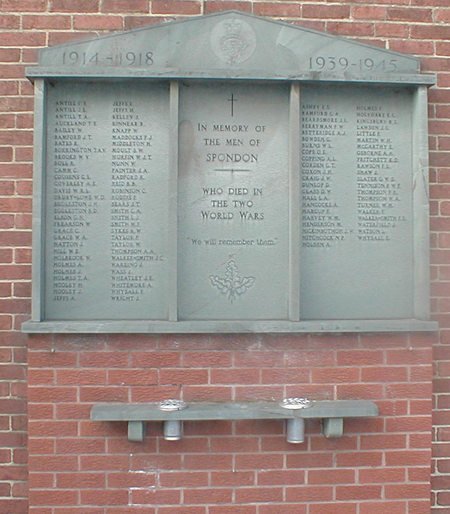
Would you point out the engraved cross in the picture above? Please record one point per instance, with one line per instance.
(232, 100)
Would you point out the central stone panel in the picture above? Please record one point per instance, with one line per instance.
(233, 258)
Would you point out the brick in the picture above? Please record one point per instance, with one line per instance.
(6, 221)
(5, 287)
(368, 12)
(430, 31)
(205, 462)
(359, 391)
(15, 39)
(6, 153)
(15, 204)
(276, 9)
(158, 359)
(183, 376)
(5, 322)
(234, 444)
(22, 289)
(256, 359)
(74, 6)
(408, 423)
(211, 6)
(125, 6)
(337, 508)
(410, 356)
(325, 11)
(185, 7)
(99, 22)
(232, 509)
(11, 406)
(46, 22)
(409, 14)
(102, 462)
(56, 394)
(232, 478)
(382, 475)
(155, 497)
(385, 506)
(259, 495)
(405, 390)
(285, 376)
(52, 359)
(257, 393)
(103, 394)
(104, 497)
(258, 461)
(358, 492)
(103, 359)
(53, 428)
(207, 359)
(63, 37)
(406, 490)
(281, 477)
(282, 509)
(137, 479)
(10, 22)
(335, 375)
(207, 495)
(53, 497)
(330, 476)
(384, 374)
(80, 376)
(359, 459)
(175, 510)
(156, 393)
(11, 473)
(394, 30)
(68, 445)
(15, 170)
(359, 357)
(306, 359)
(132, 376)
(184, 479)
(351, 28)
(409, 458)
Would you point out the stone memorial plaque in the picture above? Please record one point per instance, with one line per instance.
(107, 198)
(229, 173)
(356, 254)
(233, 209)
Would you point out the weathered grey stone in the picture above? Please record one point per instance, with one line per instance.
(229, 173)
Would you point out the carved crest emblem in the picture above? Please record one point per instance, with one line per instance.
(233, 41)
(232, 284)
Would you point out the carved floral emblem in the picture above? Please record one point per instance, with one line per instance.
(233, 41)
(232, 284)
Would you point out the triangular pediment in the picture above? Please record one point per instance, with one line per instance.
(225, 45)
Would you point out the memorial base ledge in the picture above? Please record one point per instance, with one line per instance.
(228, 327)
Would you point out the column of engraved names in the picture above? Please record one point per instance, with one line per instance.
(130, 153)
(378, 190)
(75, 197)
(323, 130)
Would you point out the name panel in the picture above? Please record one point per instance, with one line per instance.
(107, 193)
(356, 255)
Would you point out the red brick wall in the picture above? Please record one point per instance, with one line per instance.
(80, 466)
(382, 463)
